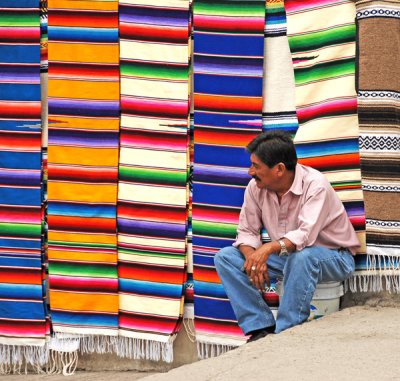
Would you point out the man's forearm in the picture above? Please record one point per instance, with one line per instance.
(246, 250)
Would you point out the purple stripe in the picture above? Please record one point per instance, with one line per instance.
(93, 138)
(20, 178)
(237, 176)
(153, 229)
(84, 107)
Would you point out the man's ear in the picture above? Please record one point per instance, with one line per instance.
(281, 168)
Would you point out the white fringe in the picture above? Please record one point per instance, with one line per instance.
(62, 363)
(138, 349)
(188, 324)
(17, 359)
(98, 344)
(378, 276)
(207, 350)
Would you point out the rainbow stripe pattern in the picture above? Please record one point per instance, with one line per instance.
(153, 196)
(322, 42)
(228, 76)
(22, 314)
(83, 151)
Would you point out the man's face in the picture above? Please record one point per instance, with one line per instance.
(265, 177)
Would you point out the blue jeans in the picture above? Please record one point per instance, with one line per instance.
(301, 271)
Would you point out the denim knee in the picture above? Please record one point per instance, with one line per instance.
(225, 255)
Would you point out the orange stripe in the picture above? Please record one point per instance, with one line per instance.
(225, 103)
(82, 4)
(224, 137)
(84, 302)
(82, 256)
(84, 123)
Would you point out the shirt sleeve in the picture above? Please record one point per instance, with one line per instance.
(312, 218)
(248, 231)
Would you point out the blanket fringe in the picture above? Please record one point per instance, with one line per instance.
(18, 359)
(62, 363)
(381, 274)
(138, 349)
(98, 344)
(207, 350)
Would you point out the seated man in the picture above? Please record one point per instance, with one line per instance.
(312, 238)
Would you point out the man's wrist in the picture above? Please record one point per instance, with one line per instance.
(283, 249)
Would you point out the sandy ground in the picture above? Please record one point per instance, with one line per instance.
(357, 343)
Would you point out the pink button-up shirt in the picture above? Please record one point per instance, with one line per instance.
(310, 214)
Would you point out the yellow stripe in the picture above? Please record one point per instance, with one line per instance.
(87, 238)
(83, 156)
(92, 53)
(82, 256)
(82, 192)
(65, 88)
(84, 302)
(103, 5)
(85, 123)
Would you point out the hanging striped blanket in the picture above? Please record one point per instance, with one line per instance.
(82, 167)
(153, 197)
(228, 70)
(378, 109)
(22, 314)
(279, 108)
(322, 41)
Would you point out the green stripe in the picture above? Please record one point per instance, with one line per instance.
(155, 71)
(145, 253)
(82, 244)
(230, 8)
(325, 71)
(214, 229)
(154, 176)
(83, 269)
(20, 20)
(21, 230)
(334, 36)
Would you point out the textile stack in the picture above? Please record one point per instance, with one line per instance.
(123, 127)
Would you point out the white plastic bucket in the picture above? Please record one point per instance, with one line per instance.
(326, 298)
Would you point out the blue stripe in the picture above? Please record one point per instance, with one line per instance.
(215, 290)
(221, 155)
(217, 195)
(19, 4)
(84, 319)
(228, 85)
(34, 263)
(203, 260)
(327, 148)
(20, 92)
(216, 309)
(225, 120)
(20, 291)
(20, 53)
(25, 125)
(83, 34)
(229, 45)
(20, 160)
(151, 288)
(21, 243)
(85, 210)
(20, 196)
(21, 310)
(210, 242)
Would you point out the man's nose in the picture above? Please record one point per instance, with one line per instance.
(251, 171)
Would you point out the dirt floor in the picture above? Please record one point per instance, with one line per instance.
(357, 343)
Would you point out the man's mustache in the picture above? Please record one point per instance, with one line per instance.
(255, 177)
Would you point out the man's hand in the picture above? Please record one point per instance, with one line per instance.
(256, 267)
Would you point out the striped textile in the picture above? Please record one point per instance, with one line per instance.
(322, 41)
(279, 108)
(82, 167)
(228, 71)
(378, 111)
(152, 197)
(22, 315)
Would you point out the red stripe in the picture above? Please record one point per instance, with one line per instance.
(82, 224)
(150, 273)
(21, 276)
(20, 110)
(154, 33)
(25, 34)
(148, 212)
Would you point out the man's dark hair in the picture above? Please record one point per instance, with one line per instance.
(273, 147)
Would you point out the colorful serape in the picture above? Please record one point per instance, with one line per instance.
(228, 75)
(279, 108)
(153, 196)
(83, 169)
(22, 314)
(322, 41)
(379, 110)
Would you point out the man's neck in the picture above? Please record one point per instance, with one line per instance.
(287, 182)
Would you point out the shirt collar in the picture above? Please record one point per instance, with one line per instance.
(297, 185)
